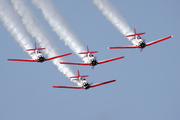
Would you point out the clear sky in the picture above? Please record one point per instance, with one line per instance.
(147, 86)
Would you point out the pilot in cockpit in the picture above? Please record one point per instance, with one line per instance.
(82, 78)
(38, 52)
(138, 37)
(90, 55)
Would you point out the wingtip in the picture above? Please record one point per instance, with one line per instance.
(113, 80)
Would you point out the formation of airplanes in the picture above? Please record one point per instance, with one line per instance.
(89, 59)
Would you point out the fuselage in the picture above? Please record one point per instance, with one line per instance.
(89, 58)
(38, 56)
(81, 81)
(137, 40)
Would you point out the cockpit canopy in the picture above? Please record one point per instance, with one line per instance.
(90, 55)
(38, 52)
(138, 37)
(82, 78)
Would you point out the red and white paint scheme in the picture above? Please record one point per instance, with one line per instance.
(82, 83)
(138, 42)
(90, 59)
(37, 56)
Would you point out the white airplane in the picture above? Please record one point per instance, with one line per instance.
(90, 59)
(138, 42)
(83, 84)
(37, 56)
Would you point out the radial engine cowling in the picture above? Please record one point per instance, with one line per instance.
(41, 59)
(94, 62)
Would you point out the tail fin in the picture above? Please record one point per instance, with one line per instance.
(88, 51)
(135, 33)
(35, 48)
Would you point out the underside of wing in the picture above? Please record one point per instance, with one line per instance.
(76, 87)
(22, 60)
(95, 85)
(75, 63)
(122, 47)
(58, 56)
(150, 43)
(104, 61)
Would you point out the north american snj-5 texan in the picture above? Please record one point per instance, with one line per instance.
(90, 59)
(82, 83)
(138, 42)
(37, 56)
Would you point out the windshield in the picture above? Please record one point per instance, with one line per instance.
(90, 55)
(138, 37)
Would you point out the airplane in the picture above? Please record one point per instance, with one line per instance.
(83, 84)
(138, 42)
(37, 56)
(90, 59)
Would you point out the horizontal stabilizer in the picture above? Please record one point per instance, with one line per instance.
(41, 48)
(22, 60)
(80, 76)
(35, 49)
(135, 34)
(88, 52)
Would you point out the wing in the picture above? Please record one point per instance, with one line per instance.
(22, 60)
(150, 43)
(122, 47)
(95, 85)
(67, 87)
(75, 63)
(58, 56)
(104, 61)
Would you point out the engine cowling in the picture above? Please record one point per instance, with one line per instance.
(142, 45)
(41, 59)
(94, 62)
(86, 85)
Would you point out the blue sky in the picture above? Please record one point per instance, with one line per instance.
(147, 85)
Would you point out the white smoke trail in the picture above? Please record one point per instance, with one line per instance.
(113, 15)
(12, 22)
(41, 36)
(59, 25)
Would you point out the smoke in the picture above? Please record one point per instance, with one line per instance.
(13, 24)
(59, 25)
(114, 16)
(41, 36)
